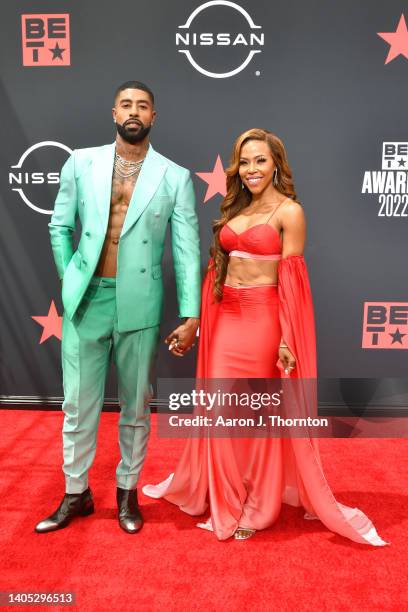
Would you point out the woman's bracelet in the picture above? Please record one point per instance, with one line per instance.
(283, 346)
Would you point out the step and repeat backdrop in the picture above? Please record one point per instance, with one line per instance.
(329, 78)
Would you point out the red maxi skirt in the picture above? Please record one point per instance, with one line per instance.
(245, 480)
(248, 474)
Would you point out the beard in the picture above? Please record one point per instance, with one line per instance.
(132, 134)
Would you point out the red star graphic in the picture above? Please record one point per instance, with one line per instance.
(397, 40)
(52, 324)
(215, 180)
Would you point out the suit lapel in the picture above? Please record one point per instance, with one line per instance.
(102, 170)
(151, 174)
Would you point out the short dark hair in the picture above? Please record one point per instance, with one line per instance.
(135, 85)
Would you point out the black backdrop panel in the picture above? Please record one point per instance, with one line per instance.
(317, 77)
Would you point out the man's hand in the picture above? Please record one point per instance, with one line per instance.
(182, 339)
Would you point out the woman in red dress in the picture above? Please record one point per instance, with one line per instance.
(257, 322)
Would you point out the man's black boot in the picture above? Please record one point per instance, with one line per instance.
(130, 517)
(72, 505)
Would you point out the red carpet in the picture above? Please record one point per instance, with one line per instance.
(171, 564)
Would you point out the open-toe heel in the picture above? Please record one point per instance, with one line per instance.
(242, 533)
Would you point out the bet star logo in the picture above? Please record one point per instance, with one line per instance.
(46, 40)
(397, 40)
(215, 180)
(397, 337)
(51, 324)
(385, 325)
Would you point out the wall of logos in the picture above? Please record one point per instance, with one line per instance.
(330, 78)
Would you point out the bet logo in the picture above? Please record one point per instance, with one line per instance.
(46, 40)
(385, 325)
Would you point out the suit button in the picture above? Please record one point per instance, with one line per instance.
(145, 241)
(143, 270)
(87, 234)
(157, 214)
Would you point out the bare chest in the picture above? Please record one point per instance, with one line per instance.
(122, 191)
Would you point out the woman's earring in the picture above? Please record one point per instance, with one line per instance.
(275, 176)
(242, 186)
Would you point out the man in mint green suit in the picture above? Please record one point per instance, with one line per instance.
(125, 195)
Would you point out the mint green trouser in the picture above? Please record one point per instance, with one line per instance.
(89, 341)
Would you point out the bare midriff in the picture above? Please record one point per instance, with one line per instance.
(247, 272)
(122, 190)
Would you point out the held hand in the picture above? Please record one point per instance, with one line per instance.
(287, 359)
(183, 337)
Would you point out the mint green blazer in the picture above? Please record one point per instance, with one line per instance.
(163, 194)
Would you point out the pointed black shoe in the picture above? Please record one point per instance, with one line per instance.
(130, 517)
(72, 505)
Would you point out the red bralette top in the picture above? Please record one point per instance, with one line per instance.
(261, 241)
